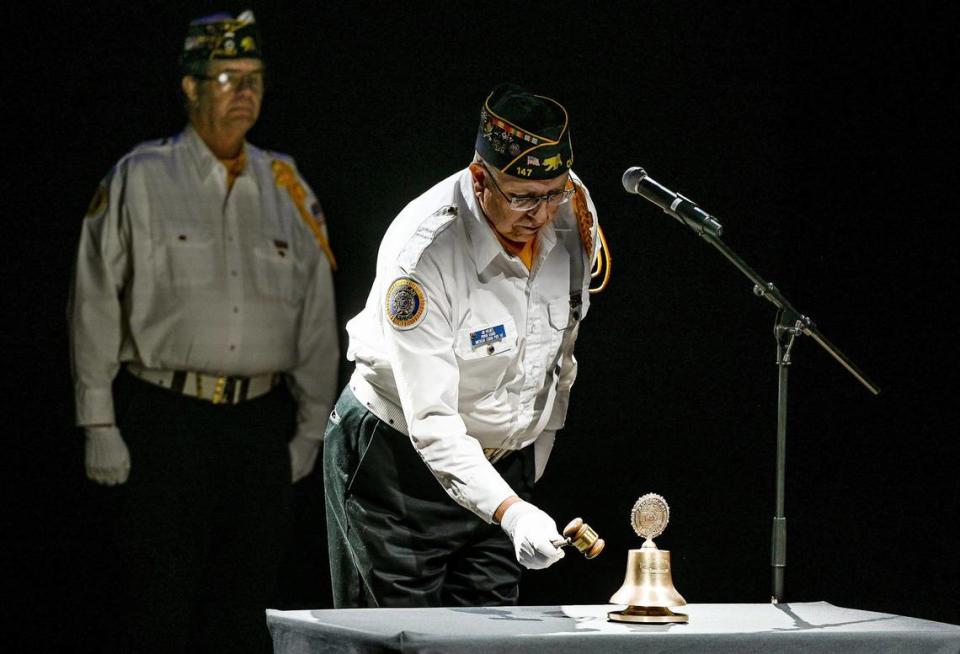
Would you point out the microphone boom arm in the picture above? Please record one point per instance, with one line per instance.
(771, 293)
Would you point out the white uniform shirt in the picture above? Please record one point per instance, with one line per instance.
(175, 273)
(490, 363)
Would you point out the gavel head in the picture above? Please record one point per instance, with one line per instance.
(583, 538)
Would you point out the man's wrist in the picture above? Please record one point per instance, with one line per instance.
(504, 505)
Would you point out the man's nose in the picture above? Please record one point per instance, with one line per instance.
(541, 214)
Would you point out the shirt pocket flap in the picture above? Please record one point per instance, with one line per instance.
(562, 315)
(486, 340)
(276, 271)
(186, 256)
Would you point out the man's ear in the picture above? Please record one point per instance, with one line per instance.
(477, 172)
(190, 91)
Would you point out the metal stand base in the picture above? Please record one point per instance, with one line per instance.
(646, 614)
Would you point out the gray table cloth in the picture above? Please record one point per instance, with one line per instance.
(799, 627)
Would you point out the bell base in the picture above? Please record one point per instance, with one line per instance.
(646, 614)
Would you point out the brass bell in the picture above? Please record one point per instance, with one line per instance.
(579, 534)
(647, 588)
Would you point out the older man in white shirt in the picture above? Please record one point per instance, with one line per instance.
(464, 365)
(203, 281)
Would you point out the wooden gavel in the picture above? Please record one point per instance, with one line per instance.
(580, 535)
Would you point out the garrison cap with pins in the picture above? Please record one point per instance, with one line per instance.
(221, 36)
(524, 135)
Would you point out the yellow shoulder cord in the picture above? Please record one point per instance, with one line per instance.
(286, 178)
(603, 262)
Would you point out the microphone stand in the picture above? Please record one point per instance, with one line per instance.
(789, 324)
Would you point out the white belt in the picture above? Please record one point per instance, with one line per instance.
(388, 412)
(218, 389)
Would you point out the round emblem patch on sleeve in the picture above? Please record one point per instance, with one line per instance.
(406, 303)
(99, 202)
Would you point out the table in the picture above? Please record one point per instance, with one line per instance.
(795, 627)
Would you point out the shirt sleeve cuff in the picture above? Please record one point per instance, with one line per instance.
(312, 420)
(94, 406)
(489, 490)
(311, 432)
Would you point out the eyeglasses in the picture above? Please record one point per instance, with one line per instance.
(230, 80)
(531, 202)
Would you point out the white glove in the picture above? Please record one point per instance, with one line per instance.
(532, 532)
(541, 452)
(107, 457)
(303, 456)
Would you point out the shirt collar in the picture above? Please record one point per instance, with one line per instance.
(201, 154)
(485, 245)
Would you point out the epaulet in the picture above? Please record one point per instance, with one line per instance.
(151, 144)
(428, 230)
(143, 150)
(286, 177)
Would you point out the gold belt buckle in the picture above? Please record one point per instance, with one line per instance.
(218, 395)
(494, 454)
(219, 386)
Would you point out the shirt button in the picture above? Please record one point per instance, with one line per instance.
(236, 309)
(233, 347)
(233, 273)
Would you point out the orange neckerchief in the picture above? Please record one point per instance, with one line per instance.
(234, 167)
(524, 251)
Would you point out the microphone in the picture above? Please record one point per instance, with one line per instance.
(636, 181)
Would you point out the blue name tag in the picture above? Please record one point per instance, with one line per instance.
(488, 335)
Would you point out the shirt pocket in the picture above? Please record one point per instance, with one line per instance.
(485, 353)
(275, 272)
(486, 340)
(186, 258)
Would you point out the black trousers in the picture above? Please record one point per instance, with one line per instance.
(395, 537)
(205, 518)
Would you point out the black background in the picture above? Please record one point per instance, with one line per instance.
(823, 138)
